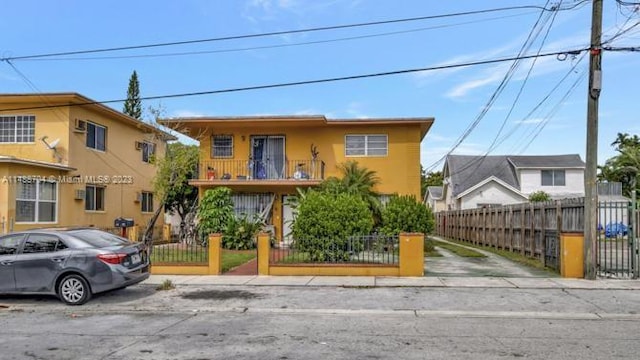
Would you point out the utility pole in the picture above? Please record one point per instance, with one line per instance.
(590, 187)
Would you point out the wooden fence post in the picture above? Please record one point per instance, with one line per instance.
(543, 243)
(522, 230)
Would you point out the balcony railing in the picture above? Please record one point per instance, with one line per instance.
(257, 170)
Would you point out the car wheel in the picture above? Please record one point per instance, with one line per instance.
(74, 290)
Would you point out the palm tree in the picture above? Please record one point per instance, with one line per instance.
(361, 181)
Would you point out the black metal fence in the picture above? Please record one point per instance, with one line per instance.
(193, 252)
(368, 249)
(617, 250)
(256, 170)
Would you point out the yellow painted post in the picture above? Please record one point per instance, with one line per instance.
(572, 255)
(215, 254)
(411, 254)
(166, 232)
(263, 253)
(132, 233)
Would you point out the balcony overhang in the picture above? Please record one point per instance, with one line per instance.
(256, 184)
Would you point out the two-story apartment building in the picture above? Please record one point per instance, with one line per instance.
(263, 159)
(66, 160)
(482, 181)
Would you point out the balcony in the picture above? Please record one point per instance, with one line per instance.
(229, 172)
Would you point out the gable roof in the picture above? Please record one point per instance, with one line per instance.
(547, 161)
(495, 180)
(435, 192)
(466, 171)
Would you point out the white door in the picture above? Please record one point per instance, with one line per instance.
(287, 219)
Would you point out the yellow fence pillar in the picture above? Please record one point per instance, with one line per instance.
(264, 246)
(132, 233)
(166, 232)
(215, 254)
(572, 255)
(411, 254)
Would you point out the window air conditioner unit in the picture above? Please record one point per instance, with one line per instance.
(80, 126)
(79, 195)
(138, 197)
(138, 145)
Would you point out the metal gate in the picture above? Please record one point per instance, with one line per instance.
(617, 250)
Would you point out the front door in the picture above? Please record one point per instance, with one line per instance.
(267, 157)
(8, 248)
(287, 220)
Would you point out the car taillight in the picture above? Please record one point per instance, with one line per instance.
(112, 258)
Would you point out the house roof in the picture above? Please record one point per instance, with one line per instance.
(465, 171)
(435, 191)
(37, 163)
(185, 124)
(64, 99)
(547, 161)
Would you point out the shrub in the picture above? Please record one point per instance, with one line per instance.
(326, 221)
(241, 233)
(405, 214)
(216, 210)
(539, 196)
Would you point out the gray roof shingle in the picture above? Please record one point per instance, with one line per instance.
(547, 161)
(435, 191)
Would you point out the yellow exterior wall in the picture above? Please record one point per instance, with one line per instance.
(121, 162)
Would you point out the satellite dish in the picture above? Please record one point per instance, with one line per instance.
(53, 144)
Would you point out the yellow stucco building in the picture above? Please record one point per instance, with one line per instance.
(263, 159)
(66, 160)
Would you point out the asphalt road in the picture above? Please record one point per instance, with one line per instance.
(277, 322)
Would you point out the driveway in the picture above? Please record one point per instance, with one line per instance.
(492, 265)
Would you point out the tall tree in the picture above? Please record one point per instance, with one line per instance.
(624, 167)
(133, 104)
(433, 178)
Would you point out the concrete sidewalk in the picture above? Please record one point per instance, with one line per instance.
(379, 281)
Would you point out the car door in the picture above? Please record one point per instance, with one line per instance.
(8, 248)
(42, 258)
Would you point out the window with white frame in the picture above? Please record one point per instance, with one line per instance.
(96, 136)
(222, 146)
(17, 128)
(94, 198)
(36, 201)
(366, 145)
(147, 202)
(148, 151)
(553, 178)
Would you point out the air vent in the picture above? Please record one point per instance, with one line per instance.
(80, 126)
(79, 195)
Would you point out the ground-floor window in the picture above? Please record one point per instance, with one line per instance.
(37, 201)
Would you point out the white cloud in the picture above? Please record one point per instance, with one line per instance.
(187, 113)
(530, 121)
(354, 110)
(437, 138)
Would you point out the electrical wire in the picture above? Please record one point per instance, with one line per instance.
(285, 32)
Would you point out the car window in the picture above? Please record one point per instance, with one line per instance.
(9, 244)
(98, 239)
(42, 243)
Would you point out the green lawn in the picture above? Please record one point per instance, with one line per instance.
(233, 258)
(458, 250)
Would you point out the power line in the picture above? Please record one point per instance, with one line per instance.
(316, 81)
(277, 46)
(285, 32)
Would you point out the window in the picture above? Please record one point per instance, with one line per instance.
(36, 201)
(94, 198)
(366, 145)
(9, 244)
(553, 178)
(96, 136)
(222, 146)
(42, 243)
(148, 151)
(17, 129)
(147, 202)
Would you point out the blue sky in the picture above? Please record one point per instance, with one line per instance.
(454, 97)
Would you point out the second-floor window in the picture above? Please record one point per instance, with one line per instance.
(147, 202)
(96, 136)
(148, 151)
(366, 145)
(17, 128)
(553, 178)
(36, 201)
(222, 146)
(94, 198)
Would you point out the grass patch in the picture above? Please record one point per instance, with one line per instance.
(166, 285)
(429, 249)
(459, 250)
(233, 258)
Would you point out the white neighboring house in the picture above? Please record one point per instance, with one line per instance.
(433, 198)
(486, 181)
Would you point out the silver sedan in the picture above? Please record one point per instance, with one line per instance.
(73, 264)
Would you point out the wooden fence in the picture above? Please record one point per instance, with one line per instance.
(532, 230)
